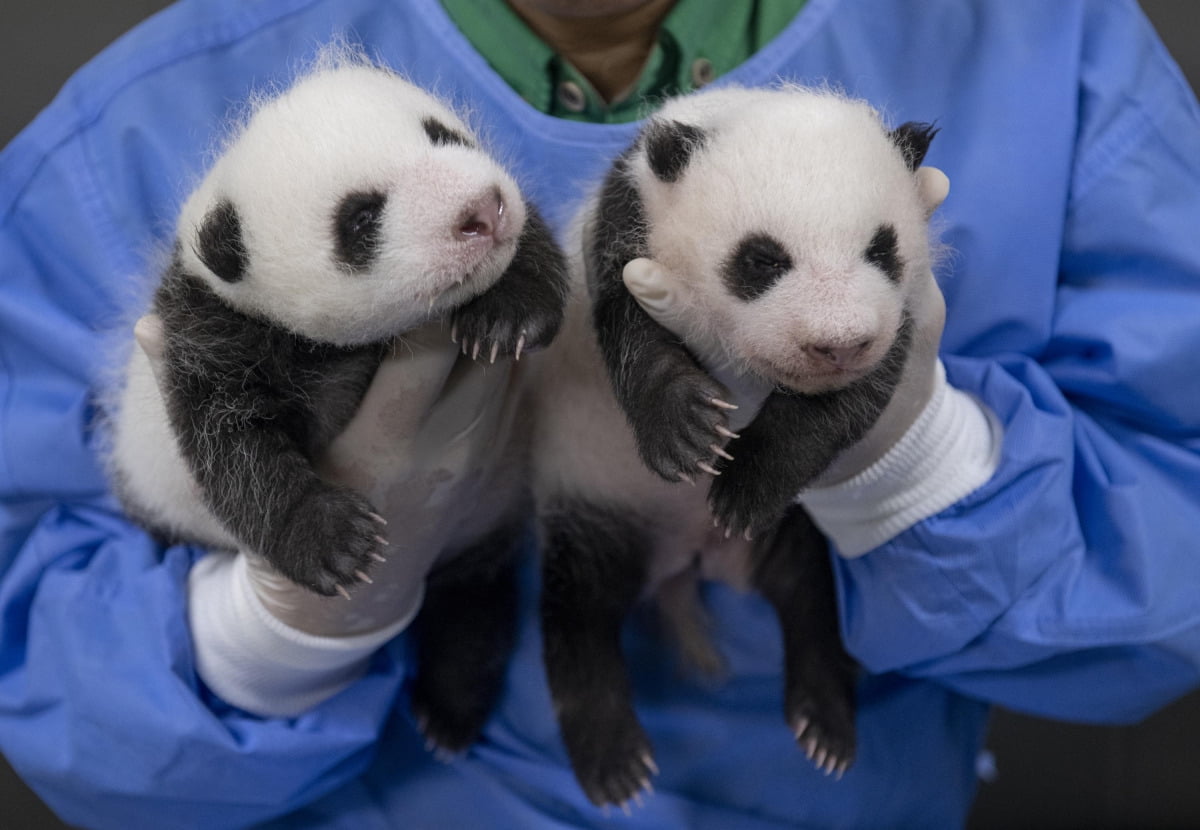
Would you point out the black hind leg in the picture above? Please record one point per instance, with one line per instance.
(593, 572)
(464, 637)
(791, 569)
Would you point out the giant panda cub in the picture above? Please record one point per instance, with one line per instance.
(796, 225)
(347, 210)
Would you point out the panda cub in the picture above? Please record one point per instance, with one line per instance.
(348, 210)
(795, 223)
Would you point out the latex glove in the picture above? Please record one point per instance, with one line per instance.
(930, 446)
(431, 446)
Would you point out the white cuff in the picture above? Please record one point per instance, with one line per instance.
(252, 660)
(950, 450)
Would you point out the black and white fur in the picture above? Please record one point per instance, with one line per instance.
(793, 221)
(349, 209)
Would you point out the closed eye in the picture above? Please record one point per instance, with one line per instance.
(356, 228)
(755, 265)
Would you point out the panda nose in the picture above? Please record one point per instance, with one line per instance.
(837, 355)
(483, 217)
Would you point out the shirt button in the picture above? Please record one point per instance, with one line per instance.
(702, 72)
(571, 96)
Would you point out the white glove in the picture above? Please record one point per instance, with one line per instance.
(431, 447)
(931, 446)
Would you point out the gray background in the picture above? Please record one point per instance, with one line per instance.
(1050, 775)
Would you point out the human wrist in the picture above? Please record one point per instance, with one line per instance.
(254, 661)
(951, 448)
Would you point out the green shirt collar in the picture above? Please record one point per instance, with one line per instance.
(699, 40)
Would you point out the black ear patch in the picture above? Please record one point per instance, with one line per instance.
(442, 135)
(913, 137)
(219, 242)
(356, 228)
(669, 147)
(755, 265)
(883, 253)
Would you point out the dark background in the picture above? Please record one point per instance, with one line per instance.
(1048, 775)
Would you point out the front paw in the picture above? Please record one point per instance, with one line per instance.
(681, 426)
(745, 503)
(329, 541)
(495, 324)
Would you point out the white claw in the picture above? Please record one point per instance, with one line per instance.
(378, 518)
(716, 522)
(720, 404)
(364, 578)
(720, 451)
(649, 762)
(495, 351)
(381, 540)
(625, 809)
(822, 756)
(475, 350)
(378, 558)
(708, 468)
(520, 345)
(725, 432)
(464, 346)
(637, 797)
(747, 535)
(801, 727)
(810, 747)
(341, 590)
(687, 478)
(728, 532)
(453, 329)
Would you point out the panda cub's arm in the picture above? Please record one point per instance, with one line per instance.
(793, 439)
(673, 406)
(250, 403)
(524, 308)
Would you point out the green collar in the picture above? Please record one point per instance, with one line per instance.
(699, 40)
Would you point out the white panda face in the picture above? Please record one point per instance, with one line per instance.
(352, 208)
(795, 221)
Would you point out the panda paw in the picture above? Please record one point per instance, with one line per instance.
(331, 540)
(681, 426)
(745, 504)
(822, 720)
(495, 324)
(613, 763)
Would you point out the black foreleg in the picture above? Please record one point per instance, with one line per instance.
(593, 572)
(793, 439)
(524, 309)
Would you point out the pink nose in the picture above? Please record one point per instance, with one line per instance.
(838, 356)
(483, 217)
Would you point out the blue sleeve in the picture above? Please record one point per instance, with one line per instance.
(1066, 586)
(101, 711)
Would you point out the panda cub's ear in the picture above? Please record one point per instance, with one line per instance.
(669, 147)
(913, 138)
(219, 242)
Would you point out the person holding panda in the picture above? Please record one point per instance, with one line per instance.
(1014, 530)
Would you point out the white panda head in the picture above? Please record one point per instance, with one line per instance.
(796, 222)
(351, 208)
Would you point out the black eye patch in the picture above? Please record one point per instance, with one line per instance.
(883, 253)
(219, 242)
(441, 135)
(356, 229)
(755, 265)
